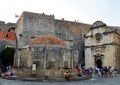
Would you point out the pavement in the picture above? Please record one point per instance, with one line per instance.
(47, 79)
(91, 81)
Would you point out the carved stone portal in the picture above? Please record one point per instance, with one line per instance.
(98, 60)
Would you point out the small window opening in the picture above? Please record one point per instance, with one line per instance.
(6, 35)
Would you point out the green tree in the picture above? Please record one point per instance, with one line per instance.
(7, 56)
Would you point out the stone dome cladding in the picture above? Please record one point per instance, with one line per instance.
(47, 40)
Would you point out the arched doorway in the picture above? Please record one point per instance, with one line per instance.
(7, 56)
(99, 63)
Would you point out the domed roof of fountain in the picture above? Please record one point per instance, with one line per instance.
(46, 39)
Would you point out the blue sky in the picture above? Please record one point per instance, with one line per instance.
(85, 11)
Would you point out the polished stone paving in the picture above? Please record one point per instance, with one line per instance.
(92, 81)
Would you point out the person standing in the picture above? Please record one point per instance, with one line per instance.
(78, 70)
(67, 75)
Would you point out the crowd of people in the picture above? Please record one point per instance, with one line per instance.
(6, 72)
(105, 71)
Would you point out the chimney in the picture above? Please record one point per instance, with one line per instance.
(62, 19)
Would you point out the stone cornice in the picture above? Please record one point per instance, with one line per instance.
(88, 36)
(109, 32)
(103, 45)
(98, 26)
(103, 33)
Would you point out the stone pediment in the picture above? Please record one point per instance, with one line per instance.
(98, 54)
(98, 24)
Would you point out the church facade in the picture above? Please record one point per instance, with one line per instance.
(102, 46)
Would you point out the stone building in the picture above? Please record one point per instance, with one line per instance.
(7, 36)
(49, 54)
(7, 39)
(9, 27)
(61, 48)
(102, 46)
(31, 25)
